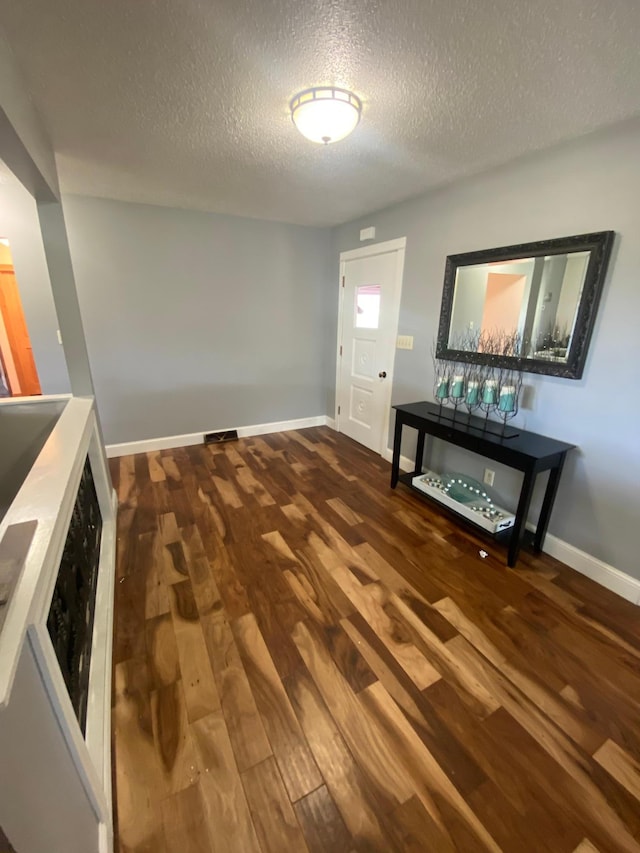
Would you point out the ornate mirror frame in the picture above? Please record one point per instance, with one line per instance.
(598, 244)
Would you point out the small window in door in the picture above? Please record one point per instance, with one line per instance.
(368, 306)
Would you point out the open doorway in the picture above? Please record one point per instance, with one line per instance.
(18, 374)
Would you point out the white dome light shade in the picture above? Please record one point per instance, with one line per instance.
(325, 114)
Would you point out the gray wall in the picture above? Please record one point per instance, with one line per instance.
(19, 222)
(590, 185)
(197, 322)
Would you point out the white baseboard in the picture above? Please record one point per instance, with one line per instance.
(281, 426)
(331, 422)
(406, 464)
(599, 571)
(167, 442)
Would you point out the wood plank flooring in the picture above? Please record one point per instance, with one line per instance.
(306, 660)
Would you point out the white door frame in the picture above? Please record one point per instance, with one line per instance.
(398, 245)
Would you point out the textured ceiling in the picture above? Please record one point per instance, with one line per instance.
(185, 103)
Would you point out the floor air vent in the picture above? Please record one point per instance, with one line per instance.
(217, 437)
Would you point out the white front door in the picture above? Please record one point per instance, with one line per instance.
(371, 280)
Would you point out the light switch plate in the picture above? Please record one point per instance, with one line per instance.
(405, 342)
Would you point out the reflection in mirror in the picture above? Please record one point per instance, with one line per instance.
(531, 304)
(528, 307)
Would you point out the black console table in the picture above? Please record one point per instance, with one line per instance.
(526, 451)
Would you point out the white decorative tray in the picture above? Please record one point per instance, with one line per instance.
(493, 518)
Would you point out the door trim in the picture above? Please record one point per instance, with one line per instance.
(374, 249)
(398, 245)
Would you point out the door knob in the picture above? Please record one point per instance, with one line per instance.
(383, 374)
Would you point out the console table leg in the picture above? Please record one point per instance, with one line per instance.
(521, 518)
(419, 452)
(395, 462)
(547, 504)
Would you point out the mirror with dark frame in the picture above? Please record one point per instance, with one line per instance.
(529, 307)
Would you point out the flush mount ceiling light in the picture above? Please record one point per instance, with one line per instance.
(325, 114)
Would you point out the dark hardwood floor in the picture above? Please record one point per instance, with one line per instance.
(306, 660)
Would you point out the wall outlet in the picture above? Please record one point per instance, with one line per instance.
(404, 342)
(489, 476)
